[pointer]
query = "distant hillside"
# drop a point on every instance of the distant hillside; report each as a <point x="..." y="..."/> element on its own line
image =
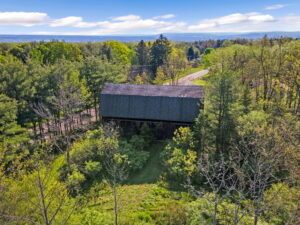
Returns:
<point x="222" y="36"/>
<point x="135" y="38"/>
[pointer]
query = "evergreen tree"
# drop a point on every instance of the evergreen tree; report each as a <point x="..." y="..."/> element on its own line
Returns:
<point x="217" y="121"/>
<point x="160" y="50"/>
<point x="190" y="54"/>
<point x="11" y="134"/>
<point x="142" y="52"/>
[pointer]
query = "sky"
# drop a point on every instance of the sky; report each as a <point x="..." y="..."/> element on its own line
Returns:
<point x="143" y="17"/>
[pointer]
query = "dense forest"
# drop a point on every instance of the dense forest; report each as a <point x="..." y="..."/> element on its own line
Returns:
<point x="237" y="164"/>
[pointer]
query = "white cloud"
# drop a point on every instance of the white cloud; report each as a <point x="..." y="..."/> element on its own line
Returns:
<point x="290" y="22"/>
<point x="117" y="25"/>
<point x="127" y="18"/>
<point x="167" y="16"/>
<point x="274" y="7"/>
<point x="261" y="18"/>
<point x="230" y="22"/>
<point x="74" y="21"/>
<point x="174" y="27"/>
<point x="130" y="26"/>
<point x="22" y="18"/>
<point x="66" y="21"/>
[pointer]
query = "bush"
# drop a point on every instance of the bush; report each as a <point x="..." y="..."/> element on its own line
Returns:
<point x="75" y="179"/>
<point x="283" y="203"/>
<point x="179" y="158"/>
<point x="136" y="158"/>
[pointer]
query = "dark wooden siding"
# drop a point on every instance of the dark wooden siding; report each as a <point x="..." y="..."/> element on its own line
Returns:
<point x="158" y="108"/>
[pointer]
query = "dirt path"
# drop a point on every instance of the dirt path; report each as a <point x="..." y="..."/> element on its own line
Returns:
<point x="187" y="80"/>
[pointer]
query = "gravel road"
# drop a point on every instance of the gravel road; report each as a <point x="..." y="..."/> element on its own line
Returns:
<point x="187" y="80"/>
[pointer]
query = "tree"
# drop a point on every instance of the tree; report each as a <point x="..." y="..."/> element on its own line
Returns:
<point x="257" y="160"/>
<point x="142" y="52"/>
<point x="190" y="53"/>
<point x="97" y="72"/>
<point x="38" y="197"/>
<point x="221" y="108"/>
<point x="119" y="53"/>
<point x="180" y="158"/>
<point x="15" y="83"/>
<point x="63" y="116"/>
<point x="176" y="63"/>
<point x="160" y="76"/>
<point x="217" y="178"/>
<point x="116" y="164"/>
<point x="52" y="52"/>
<point x="159" y="52"/>
<point x="12" y="135"/>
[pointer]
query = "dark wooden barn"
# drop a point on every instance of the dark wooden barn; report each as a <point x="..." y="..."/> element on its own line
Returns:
<point x="161" y="103"/>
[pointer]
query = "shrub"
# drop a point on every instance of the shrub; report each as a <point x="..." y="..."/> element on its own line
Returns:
<point x="136" y="158"/>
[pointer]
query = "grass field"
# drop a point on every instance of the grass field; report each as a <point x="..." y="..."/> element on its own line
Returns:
<point x="147" y="204"/>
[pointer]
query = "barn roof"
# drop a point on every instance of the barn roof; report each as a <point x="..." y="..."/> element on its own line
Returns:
<point x="154" y="90"/>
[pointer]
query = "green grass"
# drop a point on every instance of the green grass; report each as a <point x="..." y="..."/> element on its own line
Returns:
<point x="142" y="204"/>
<point x="201" y="81"/>
<point x="151" y="172"/>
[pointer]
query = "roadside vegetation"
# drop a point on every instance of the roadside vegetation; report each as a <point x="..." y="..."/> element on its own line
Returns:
<point x="237" y="164"/>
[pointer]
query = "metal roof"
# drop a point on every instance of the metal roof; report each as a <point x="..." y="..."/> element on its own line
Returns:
<point x="154" y="90"/>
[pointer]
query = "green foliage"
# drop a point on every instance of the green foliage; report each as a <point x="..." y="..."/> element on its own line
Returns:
<point x="147" y="135"/>
<point x="75" y="180"/>
<point x="283" y="203"/>
<point x="136" y="156"/>
<point x="159" y="52"/>
<point x="142" y="53"/>
<point x="120" y="53"/>
<point x="12" y="136"/>
<point x="180" y="157"/>
<point x="92" y="217"/>
<point x="208" y="51"/>
<point x="38" y="196"/>
<point x="96" y="72"/>
<point x="89" y="154"/>
<point x="86" y="156"/>
<point x="220" y="110"/>
<point x="200" y="212"/>
<point x="51" y="52"/>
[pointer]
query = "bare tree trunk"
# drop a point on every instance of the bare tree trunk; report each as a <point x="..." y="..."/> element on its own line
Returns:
<point x="215" y="214"/>
<point x="41" y="128"/>
<point x="48" y="126"/>
<point x="115" y="204"/>
<point x="34" y="128"/>
<point x="255" y="218"/>
<point x="44" y="209"/>
<point x="96" y="110"/>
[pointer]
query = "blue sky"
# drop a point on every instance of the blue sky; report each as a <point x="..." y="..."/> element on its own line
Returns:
<point x="98" y="17"/>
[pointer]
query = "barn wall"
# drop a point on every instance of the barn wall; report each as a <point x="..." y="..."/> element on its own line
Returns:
<point x="149" y="107"/>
